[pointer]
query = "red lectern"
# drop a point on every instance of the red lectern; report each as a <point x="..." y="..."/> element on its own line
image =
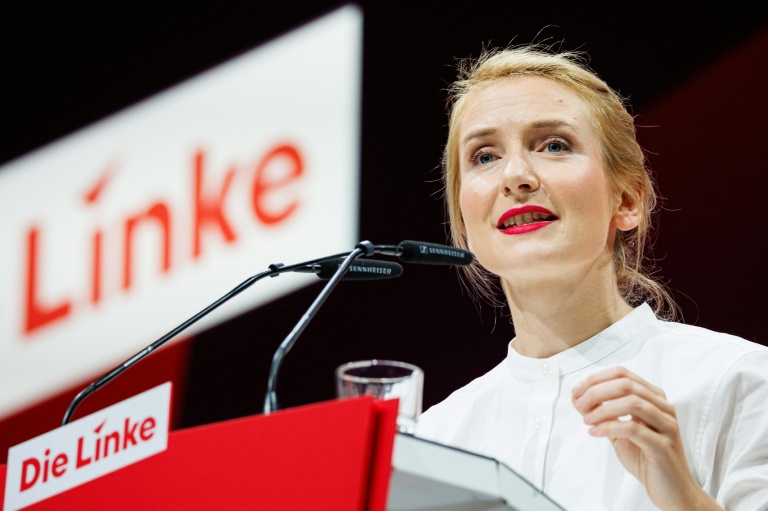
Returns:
<point x="334" y="455"/>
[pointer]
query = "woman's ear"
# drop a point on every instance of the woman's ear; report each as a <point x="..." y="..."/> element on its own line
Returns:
<point x="628" y="213"/>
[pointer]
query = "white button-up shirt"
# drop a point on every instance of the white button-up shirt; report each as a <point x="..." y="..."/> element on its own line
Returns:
<point x="521" y="414"/>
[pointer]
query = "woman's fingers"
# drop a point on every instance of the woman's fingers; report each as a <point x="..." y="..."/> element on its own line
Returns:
<point x="616" y="383"/>
<point x="621" y="398"/>
<point x="614" y="373"/>
<point x="636" y="432"/>
<point x="632" y="408"/>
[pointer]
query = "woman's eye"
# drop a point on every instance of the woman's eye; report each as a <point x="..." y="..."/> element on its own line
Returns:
<point x="483" y="158"/>
<point x="556" y="146"/>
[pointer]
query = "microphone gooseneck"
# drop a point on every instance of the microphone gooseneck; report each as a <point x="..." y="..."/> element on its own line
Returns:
<point x="408" y="251"/>
<point x="270" y="400"/>
<point x="313" y="266"/>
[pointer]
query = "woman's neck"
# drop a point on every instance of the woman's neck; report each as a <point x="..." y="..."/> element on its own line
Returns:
<point x="554" y="315"/>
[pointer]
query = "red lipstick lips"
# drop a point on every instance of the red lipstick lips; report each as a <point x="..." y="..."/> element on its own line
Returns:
<point x="526" y="228"/>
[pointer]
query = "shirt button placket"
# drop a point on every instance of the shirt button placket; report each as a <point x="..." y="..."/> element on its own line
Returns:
<point x="542" y="422"/>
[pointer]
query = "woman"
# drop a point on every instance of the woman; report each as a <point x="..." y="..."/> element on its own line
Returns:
<point x="602" y="401"/>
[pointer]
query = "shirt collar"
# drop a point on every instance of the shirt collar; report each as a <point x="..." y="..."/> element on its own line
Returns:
<point x="584" y="353"/>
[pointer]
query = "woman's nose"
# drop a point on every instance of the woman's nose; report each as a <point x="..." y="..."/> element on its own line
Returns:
<point x="518" y="177"/>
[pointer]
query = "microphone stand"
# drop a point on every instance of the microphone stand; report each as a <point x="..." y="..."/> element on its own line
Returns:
<point x="273" y="271"/>
<point x="270" y="401"/>
<point x="409" y="251"/>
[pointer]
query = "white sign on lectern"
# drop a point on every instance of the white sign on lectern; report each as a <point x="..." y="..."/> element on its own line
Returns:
<point x="88" y="448"/>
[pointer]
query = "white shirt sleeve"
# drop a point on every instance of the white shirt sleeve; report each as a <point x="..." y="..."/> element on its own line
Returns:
<point x="733" y="437"/>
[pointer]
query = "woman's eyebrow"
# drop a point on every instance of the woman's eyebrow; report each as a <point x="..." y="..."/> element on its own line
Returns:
<point x="477" y="133"/>
<point x="553" y="123"/>
<point x="538" y="125"/>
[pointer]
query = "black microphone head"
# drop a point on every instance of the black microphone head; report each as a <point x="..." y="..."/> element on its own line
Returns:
<point x="361" y="269"/>
<point x="432" y="253"/>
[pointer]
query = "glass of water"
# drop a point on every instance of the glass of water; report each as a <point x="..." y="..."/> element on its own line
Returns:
<point x="384" y="379"/>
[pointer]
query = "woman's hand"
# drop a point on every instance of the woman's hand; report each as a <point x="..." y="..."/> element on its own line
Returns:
<point x="642" y="426"/>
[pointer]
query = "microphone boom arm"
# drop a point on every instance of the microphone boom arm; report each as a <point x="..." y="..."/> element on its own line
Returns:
<point x="273" y="271"/>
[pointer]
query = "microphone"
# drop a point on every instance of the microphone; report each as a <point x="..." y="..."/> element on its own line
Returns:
<point x="324" y="267"/>
<point x="362" y="269"/>
<point x="422" y="252"/>
<point x="431" y="253"/>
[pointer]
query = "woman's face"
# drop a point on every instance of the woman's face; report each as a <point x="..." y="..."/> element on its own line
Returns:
<point x="534" y="195"/>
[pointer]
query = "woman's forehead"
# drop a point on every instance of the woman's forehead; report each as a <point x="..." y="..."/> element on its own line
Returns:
<point x="522" y="99"/>
<point x="523" y="103"/>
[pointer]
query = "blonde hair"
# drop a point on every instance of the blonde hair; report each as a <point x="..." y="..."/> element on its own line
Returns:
<point x="623" y="160"/>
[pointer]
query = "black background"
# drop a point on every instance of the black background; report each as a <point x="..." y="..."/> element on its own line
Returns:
<point x="64" y="68"/>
